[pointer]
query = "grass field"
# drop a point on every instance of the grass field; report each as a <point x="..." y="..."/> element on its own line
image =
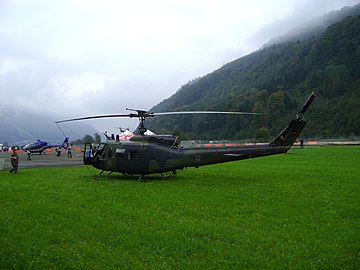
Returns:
<point x="281" y="212"/>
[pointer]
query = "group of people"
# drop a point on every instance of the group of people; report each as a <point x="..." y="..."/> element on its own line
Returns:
<point x="69" y="153"/>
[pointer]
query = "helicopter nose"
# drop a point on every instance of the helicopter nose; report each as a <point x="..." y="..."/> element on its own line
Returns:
<point x="99" y="163"/>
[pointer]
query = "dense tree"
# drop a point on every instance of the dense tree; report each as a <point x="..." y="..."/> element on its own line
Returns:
<point x="88" y="139"/>
<point x="97" y="138"/>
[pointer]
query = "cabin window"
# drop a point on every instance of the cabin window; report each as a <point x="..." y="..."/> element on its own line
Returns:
<point x="120" y="152"/>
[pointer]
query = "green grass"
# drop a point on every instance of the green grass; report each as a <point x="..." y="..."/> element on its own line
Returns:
<point x="295" y="211"/>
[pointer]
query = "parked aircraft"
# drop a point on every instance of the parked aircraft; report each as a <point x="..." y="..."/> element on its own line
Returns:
<point x="142" y="154"/>
<point x="39" y="146"/>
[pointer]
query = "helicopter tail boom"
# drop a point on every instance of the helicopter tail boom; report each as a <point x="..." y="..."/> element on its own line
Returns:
<point x="288" y="136"/>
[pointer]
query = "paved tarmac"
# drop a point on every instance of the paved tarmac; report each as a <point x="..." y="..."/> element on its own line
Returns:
<point x="45" y="160"/>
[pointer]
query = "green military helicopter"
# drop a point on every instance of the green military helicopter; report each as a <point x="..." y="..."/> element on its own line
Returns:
<point x="143" y="154"/>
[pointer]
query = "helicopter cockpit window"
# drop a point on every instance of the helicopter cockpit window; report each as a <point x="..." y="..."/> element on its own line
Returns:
<point x="100" y="148"/>
<point x="120" y="152"/>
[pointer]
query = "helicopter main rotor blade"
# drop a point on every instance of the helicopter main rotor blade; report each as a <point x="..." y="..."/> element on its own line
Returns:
<point x="206" y="112"/>
<point x="97" y="117"/>
<point x="144" y="114"/>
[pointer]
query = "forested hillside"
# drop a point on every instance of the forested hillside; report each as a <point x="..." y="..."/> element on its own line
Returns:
<point x="276" y="80"/>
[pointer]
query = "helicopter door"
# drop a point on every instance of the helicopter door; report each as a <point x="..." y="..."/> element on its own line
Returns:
<point x="133" y="157"/>
<point x="88" y="157"/>
<point x="109" y="156"/>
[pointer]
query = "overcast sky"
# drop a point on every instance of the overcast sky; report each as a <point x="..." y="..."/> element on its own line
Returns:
<point x="71" y="58"/>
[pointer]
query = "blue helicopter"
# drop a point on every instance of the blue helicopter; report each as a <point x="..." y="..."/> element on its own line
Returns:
<point x="39" y="146"/>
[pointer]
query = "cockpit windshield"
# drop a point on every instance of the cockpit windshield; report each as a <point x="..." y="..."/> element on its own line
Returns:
<point x="100" y="149"/>
<point x="101" y="146"/>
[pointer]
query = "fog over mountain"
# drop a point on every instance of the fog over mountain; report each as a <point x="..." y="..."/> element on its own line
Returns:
<point x="315" y="26"/>
<point x="16" y="129"/>
<point x="70" y="58"/>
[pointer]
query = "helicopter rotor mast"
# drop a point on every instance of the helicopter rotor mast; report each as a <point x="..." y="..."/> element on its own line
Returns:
<point x="141" y="114"/>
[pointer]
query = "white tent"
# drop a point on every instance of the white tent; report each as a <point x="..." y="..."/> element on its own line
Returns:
<point x="126" y="135"/>
<point x="149" y="132"/>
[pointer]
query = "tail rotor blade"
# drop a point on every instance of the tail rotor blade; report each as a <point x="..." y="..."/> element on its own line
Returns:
<point x="307" y="104"/>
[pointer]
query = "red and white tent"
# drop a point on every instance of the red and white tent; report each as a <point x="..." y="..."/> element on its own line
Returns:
<point x="126" y="135"/>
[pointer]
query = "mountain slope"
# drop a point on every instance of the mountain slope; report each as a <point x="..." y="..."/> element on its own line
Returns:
<point x="276" y="80"/>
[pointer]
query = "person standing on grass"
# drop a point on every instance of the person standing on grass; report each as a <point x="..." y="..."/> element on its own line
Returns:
<point x="14" y="158"/>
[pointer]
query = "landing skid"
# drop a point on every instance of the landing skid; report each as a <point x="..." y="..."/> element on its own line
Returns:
<point x="142" y="177"/>
<point x="165" y="175"/>
<point x="107" y="175"/>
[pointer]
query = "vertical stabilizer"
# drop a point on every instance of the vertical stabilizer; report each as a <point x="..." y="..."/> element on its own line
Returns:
<point x="288" y="136"/>
<point x="65" y="143"/>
